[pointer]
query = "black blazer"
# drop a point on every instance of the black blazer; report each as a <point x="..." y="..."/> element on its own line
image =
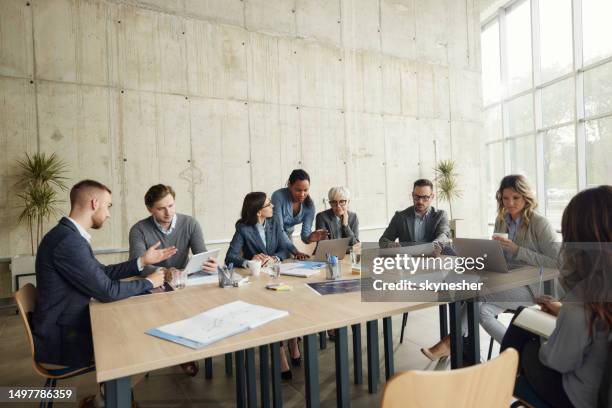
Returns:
<point x="247" y="243"/>
<point x="67" y="277"/>
<point x="401" y="227"/>
<point x="327" y="220"/>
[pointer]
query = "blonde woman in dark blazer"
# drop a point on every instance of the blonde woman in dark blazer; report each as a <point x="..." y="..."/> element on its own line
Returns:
<point x="531" y="240"/>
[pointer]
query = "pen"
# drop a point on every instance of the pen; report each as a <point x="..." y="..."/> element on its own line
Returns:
<point x="540" y="284"/>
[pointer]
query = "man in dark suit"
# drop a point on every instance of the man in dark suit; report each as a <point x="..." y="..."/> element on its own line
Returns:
<point x="419" y="223"/>
<point x="68" y="276"/>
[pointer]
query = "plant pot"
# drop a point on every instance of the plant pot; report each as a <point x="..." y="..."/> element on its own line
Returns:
<point x="22" y="271"/>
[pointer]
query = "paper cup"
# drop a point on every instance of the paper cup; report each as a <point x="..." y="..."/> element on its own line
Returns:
<point x="501" y="234"/>
<point x="254" y="267"/>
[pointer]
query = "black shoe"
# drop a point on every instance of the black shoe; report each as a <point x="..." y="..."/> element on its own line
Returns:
<point x="286" y="375"/>
<point x="296" y="362"/>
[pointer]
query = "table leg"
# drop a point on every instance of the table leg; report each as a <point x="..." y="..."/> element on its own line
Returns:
<point x="208" y="368"/>
<point x="228" y="364"/>
<point x="373" y="368"/>
<point x="118" y="393"/>
<point x="323" y="340"/>
<point x="311" y="370"/>
<point x="442" y="309"/>
<point x="251" y="383"/>
<point x="277" y="397"/>
<point x="388" y="342"/>
<point x="342" y="382"/>
<point x="264" y="375"/>
<point x="473" y="313"/>
<point x="240" y="379"/>
<point x="456" y="336"/>
<point x="357" y="360"/>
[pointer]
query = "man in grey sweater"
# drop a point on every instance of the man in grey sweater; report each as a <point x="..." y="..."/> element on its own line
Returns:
<point x="172" y="230"/>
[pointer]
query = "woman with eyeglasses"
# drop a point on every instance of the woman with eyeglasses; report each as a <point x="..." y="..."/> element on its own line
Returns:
<point x="293" y="206"/>
<point x="258" y="235"/>
<point x="338" y="220"/>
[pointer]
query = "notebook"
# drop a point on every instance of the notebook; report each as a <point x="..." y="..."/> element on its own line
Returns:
<point x="536" y="321"/>
<point x="302" y="269"/>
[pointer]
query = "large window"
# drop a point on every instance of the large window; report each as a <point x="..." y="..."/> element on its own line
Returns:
<point x="547" y="94"/>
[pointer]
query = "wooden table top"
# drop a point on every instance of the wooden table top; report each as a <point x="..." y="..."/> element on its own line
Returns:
<point x="122" y="348"/>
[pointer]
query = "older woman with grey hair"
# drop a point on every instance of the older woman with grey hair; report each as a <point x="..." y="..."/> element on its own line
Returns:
<point x="338" y="220"/>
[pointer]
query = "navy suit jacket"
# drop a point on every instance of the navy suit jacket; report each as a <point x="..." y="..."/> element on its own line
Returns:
<point x="247" y="243"/>
<point x="67" y="277"/>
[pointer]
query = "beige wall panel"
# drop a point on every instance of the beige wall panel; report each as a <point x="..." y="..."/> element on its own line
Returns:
<point x="136" y="38"/>
<point x="323" y="150"/>
<point x="318" y="19"/>
<point x="275" y="149"/>
<point x="402" y="158"/>
<point x="469" y="207"/>
<point x="360" y="24"/>
<point x="17" y="137"/>
<point x="391" y="92"/>
<point x="276" y="17"/>
<point x="288" y="72"/>
<point x="167" y="5"/>
<point x="15" y="38"/>
<point x="173" y="54"/>
<point x="226" y="11"/>
<point x="320" y="75"/>
<point x="372" y="83"/>
<point x="366" y="169"/>
<point x="458" y="33"/>
<point x="74" y="123"/>
<point x="217" y="60"/>
<point x="220" y="143"/>
<point x="398" y="28"/>
<point x="263" y="68"/>
<point x="466" y="95"/>
<point x="432" y="22"/>
<point x="433" y="88"/>
<point x="409" y="86"/>
<point x="353" y="81"/>
<point x="76" y="49"/>
<point x="430" y="130"/>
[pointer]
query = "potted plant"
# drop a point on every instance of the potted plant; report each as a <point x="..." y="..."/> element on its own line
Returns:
<point x="41" y="177"/>
<point x="448" y="187"/>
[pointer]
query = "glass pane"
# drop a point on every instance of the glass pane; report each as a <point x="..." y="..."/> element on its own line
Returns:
<point x="597" y="29"/>
<point x="518" y="46"/>
<point x="598" y="90"/>
<point x="493" y="123"/>
<point x="559" y="171"/>
<point x="495" y="174"/>
<point x="491" y="71"/>
<point x="520" y="111"/>
<point x="555" y="38"/>
<point x="599" y="146"/>
<point x="558" y="103"/>
<point x="523" y="157"/>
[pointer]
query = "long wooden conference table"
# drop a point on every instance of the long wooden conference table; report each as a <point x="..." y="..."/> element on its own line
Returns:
<point x="122" y="349"/>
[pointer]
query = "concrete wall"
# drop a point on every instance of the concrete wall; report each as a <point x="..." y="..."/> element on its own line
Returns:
<point x="222" y="97"/>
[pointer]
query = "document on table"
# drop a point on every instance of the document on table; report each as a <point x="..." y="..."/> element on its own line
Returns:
<point x="536" y="321"/>
<point x="217" y="323"/>
<point x="202" y="278"/>
<point x="303" y="269"/>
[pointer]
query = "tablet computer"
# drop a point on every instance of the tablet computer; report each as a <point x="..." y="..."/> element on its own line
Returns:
<point x="196" y="261"/>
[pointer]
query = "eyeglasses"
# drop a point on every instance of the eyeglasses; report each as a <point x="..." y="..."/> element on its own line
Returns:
<point x="337" y="202"/>
<point x="267" y="205"/>
<point x="421" y="198"/>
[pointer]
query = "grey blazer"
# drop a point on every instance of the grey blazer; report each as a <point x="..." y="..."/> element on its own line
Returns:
<point x="538" y="243"/>
<point x="402" y="227"/>
<point x="328" y="220"/>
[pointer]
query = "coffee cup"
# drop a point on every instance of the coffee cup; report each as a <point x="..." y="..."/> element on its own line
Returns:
<point x="254" y="266"/>
<point x="501" y="234"/>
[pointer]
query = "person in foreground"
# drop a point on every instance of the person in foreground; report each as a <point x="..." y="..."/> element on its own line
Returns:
<point x="531" y="241"/>
<point x="171" y="229"/>
<point x="572" y="368"/>
<point x="68" y="276"/>
<point x="259" y="236"/>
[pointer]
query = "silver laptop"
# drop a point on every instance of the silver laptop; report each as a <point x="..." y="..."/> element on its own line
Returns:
<point x="413" y="249"/>
<point x="494" y="260"/>
<point x="335" y="247"/>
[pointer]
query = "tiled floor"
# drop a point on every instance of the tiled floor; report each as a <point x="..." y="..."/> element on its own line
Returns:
<point x="170" y="388"/>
